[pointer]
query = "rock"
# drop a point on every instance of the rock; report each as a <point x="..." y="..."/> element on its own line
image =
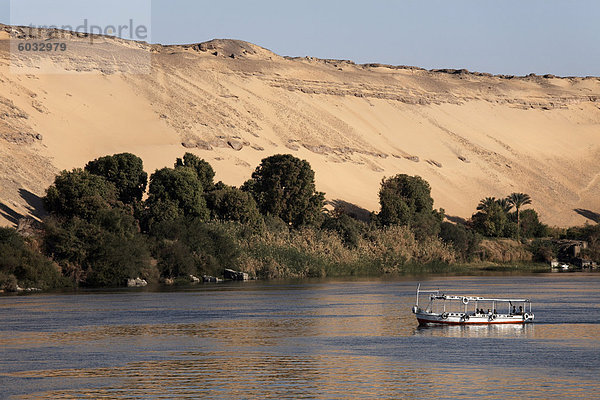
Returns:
<point x="169" y="281"/>
<point x="219" y="142"/>
<point x="317" y="149"/>
<point x="235" y="275"/>
<point x="412" y="158"/>
<point x="234" y="144"/>
<point x="211" y="279"/>
<point x="137" y="282"/>
<point x="464" y="159"/>
<point x="434" y="163"/>
<point x="31" y="289"/>
<point x="194" y="279"/>
<point x="258" y="148"/>
<point x="39" y="136"/>
<point x="196" y="143"/>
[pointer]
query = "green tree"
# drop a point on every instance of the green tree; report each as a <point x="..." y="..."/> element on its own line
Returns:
<point x="284" y="186"/>
<point x="80" y="193"/>
<point x="505" y="205"/>
<point x="531" y="225"/>
<point x="406" y="200"/>
<point x="174" y="191"/>
<point x="518" y="200"/>
<point x="491" y="222"/>
<point x="485" y="204"/>
<point x="125" y="171"/>
<point x="203" y="169"/>
<point x="232" y="204"/>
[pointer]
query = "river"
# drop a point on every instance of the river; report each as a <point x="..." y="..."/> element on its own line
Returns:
<point x="330" y="339"/>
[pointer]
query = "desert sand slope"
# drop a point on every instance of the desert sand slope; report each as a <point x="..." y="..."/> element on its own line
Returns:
<point x="233" y="103"/>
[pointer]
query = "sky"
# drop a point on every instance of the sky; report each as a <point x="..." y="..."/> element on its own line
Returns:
<point x="514" y="37"/>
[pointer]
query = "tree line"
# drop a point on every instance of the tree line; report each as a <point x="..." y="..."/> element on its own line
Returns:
<point x="101" y="231"/>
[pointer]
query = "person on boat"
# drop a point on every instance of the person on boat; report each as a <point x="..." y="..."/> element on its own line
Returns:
<point x="520" y="310"/>
<point x="489" y="312"/>
<point x="514" y="311"/>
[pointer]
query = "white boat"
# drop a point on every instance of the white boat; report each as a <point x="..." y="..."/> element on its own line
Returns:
<point x="465" y="310"/>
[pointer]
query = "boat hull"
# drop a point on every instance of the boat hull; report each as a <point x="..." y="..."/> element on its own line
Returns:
<point x="460" y="319"/>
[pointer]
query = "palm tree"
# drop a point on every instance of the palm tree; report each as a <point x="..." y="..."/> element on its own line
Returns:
<point x="518" y="200"/>
<point x="485" y="204"/>
<point x="505" y="204"/>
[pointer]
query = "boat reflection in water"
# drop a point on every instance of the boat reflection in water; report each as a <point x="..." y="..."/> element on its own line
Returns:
<point x="476" y="331"/>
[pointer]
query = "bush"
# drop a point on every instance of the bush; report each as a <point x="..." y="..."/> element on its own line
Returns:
<point x="185" y="247"/>
<point x="104" y="252"/>
<point x="543" y="251"/>
<point x="116" y="260"/>
<point x="349" y="229"/>
<point x="463" y="240"/>
<point x="22" y="265"/>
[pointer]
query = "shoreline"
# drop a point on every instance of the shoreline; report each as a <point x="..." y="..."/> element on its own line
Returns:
<point x="487" y="270"/>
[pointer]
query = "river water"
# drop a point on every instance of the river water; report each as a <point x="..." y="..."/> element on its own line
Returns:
<point x="316" y="339"/>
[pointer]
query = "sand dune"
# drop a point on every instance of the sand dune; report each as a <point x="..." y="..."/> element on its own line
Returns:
<point x="233" y="103"/>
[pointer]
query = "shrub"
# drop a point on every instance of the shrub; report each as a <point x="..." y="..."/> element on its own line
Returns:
<point x="349" y="229"/>
<point x="22" y="265"/>
<point x="463" y="240"/>
<point x="185" y="247"/>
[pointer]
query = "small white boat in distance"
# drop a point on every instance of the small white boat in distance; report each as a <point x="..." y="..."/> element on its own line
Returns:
<point x="471" y="310"/>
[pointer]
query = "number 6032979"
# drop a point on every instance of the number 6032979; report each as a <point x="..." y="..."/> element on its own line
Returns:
<point x="35" y="46"/>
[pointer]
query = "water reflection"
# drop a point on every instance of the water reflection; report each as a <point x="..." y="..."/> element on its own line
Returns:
<point x="478" y="331"/>
<point x="255" y="375"/>
<point x="330" y="340"/>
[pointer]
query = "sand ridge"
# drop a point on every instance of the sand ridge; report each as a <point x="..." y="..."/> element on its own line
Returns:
<point x="471" y="135"/>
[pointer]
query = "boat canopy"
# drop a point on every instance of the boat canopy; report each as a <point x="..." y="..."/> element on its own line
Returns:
<point x="437" y="295"/>
<point x="472" y="298"/>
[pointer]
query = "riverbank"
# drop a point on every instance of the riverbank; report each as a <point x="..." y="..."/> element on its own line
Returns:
<point x="410" y="272"/>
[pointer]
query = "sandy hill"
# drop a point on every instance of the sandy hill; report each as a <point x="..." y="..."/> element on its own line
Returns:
<point x="233" y="103"/>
